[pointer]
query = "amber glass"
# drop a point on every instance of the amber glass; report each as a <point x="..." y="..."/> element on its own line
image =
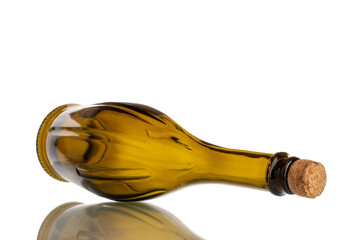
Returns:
<point x="126" y="151"/>
<point x="130" y="221"/>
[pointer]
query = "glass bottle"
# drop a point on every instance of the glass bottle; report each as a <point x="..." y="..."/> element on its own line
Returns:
<point x="127" y="151"/>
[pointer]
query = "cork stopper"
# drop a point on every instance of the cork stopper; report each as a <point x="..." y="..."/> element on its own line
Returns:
<point x="307" y="178"/>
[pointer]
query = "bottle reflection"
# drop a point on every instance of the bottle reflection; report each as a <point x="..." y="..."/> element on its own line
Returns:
<point x="113" y="220"/>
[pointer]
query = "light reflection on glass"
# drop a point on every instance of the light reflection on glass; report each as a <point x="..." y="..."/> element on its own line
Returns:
<point x="112" y="220"/>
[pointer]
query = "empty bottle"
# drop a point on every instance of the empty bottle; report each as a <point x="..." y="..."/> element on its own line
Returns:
<point x="126" y="151"/>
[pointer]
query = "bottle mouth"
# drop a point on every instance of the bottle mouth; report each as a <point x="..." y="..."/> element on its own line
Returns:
<point x="41" y="142"/>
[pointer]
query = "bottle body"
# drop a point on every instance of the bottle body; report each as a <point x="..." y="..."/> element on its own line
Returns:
<point x="126" y="151"/>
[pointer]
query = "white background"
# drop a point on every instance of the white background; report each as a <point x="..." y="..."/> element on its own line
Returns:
<point x="265" y="76"/>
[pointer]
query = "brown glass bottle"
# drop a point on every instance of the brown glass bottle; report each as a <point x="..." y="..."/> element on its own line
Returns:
<point x="109" y="221"/>
<point x="126" y="151"/>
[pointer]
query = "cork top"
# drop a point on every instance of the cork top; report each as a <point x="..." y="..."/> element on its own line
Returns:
<point x="307" y="178"/>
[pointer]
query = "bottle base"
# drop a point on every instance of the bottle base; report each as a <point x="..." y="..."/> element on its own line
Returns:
<point x="41" y="142"/>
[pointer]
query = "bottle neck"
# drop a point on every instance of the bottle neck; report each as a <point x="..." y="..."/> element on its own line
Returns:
<point x="246" y="168"/>
<point x="278" y="173"/>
